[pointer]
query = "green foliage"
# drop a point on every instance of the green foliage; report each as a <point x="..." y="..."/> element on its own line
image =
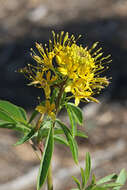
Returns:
<point x="26" y="137"/>
<point x="73" y="122"/>
<point x="76" y="111"/>
<point x="87" y="167"/>
<point x="50" y="131"/>
<point x="46" y="159"/>
<point x="13" y="117"/>
<point x="71" y="141"/>
<point x="61" y="140"/>
<point x="33" y="115"/>
<point x="12" y="111"/>
<point x="112" y="181"/>
<point x="122" y="177"/>
<point x="75" y="116"/>
<point x="107" y="179"/>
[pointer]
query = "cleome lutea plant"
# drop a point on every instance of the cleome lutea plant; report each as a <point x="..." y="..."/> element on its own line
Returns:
<point x="64" y="71"/>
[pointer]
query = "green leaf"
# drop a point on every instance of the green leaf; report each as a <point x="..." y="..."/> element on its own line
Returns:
<point x="77" y="112"/>
<point x="77" y="182"/>
<point x="93" y="182"/>
<point x="42" y="133"/>
<point x="15" y="112"/>
<point x="81" y="134"/>
<point x="71" y="141"/>
<point x="58" y="131"/>
<point x="97" y="188"/>
<point x="46" y="159"/>
<point x="26" y="137"/>
<point x="14" y="126"/>
<point x="61" y="140"/>
<point x="54" y="95"/>
<point x="110" y="185"/>
<point x="62" y="100"/>
<point x="33" y="115"/>
<point x="122" y="177"/>
<point x="23" y="113"/>
<point x="106" y="179"/>
<point x="72" y="121"/>
<point x="83" y="177"/>
<point x="5" y="117"/>
<point x="87" y="167"/>
<point x="74" y="189"/>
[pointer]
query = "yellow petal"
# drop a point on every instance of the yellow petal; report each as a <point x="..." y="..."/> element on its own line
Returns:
<point x="47" y="91"/>
<point x="41" y="109"/>
<point x="77" y="100"/>
<point x="63" y="70"/>
<point x="68" y="88"/>
<point x="52" y="107"/>
<point x="52" y="115"/>
<point x="58" y="59"/>
<point x="48" y="76"/>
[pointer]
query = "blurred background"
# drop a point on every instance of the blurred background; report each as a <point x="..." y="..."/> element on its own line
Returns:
<point x="22" y="23"/>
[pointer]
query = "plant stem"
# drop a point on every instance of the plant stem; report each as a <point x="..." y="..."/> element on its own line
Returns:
<point x="49" y="179"/>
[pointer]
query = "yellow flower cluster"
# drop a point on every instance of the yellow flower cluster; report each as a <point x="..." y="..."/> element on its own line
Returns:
<point x="63" y="62"/>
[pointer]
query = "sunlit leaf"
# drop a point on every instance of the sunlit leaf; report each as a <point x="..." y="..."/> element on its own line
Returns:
<point x="6" y="117"/>
<point x="81" y="134"/>
<point x="107" y="179"/>
<point x="46" y="158"/>
<point x="83" y="177"/>
<point x="122" y="177"/>
<point x="77" y="112"/>
<point x="15" y="126"/>
<point x="71" y="141"/>
<point x="72" y="121"/>
<point x="33" y="115"/>
<point x="15" y="112"/>
<point x="77" y="182"/>
<point x="87" y="167"/>
<point x="26" y="137"/>
<point x="61" y="140"/>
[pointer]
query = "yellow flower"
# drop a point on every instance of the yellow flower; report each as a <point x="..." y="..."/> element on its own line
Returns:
<point x="82" y="67"/>
<point x="47" y="109"/>
<point x="63" y="62"/>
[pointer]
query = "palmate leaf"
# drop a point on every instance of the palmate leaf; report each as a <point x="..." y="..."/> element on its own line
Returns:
<point x="71" y="141"/>
<point x="14" y="112"/>
<point x="46" y="158"/>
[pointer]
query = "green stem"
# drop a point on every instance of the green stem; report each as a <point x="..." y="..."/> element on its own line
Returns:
<point x="49" y="179"/>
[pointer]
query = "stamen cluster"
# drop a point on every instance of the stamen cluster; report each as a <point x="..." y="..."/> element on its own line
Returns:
<point x="63" y="63"/>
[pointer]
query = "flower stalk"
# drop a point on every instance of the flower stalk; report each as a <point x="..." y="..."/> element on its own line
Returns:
<point x="49" y="178"/>
<point x="63" y="70"/>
